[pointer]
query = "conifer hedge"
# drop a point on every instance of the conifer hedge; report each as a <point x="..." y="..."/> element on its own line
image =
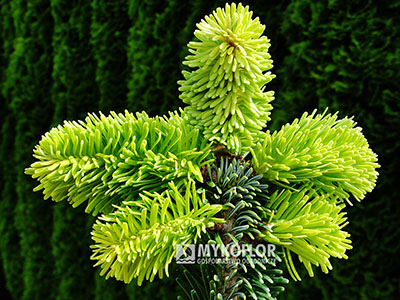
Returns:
<point x="71" y="95"/>
<point x="60" y="59"/>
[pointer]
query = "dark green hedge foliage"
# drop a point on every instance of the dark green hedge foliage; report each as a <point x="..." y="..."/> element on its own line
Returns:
<point x="60" y="59"/>
<point x="26" y="89"/>
<point x="10" y="250"/>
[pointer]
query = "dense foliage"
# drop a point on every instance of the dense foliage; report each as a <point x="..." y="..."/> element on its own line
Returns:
<point x="61" y="59"/>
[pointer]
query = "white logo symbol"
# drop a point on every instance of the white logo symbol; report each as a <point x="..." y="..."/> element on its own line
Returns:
<point x="185" y="254"/>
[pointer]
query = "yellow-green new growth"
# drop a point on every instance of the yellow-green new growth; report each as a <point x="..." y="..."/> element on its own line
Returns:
<point x="139" y="239"/>
<point x="332" y="153"/>
<point x="225" y="91"/>
<point x="107" y="159"/>
<point x="309" y="225"/>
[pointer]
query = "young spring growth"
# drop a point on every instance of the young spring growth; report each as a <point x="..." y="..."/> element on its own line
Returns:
<point x="309" y="225"/>
<point x="225" y="90"/>
<point x="107" y="159"/>
<point x="332" y="153"/>
<point x="138" y="239"/>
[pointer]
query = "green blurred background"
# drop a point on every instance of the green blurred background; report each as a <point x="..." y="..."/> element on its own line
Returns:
<point x="61" y="59"/>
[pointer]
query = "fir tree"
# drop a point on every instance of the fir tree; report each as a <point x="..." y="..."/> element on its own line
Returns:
<point x="210" y="173"/>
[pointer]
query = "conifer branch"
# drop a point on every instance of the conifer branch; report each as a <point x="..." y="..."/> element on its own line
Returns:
<point x="331" y="153"/>
<point x="104" y="160"/>
<point x="139" y="238"/>
<point x="225" y="90"/>
<point x="309" y="225"/>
